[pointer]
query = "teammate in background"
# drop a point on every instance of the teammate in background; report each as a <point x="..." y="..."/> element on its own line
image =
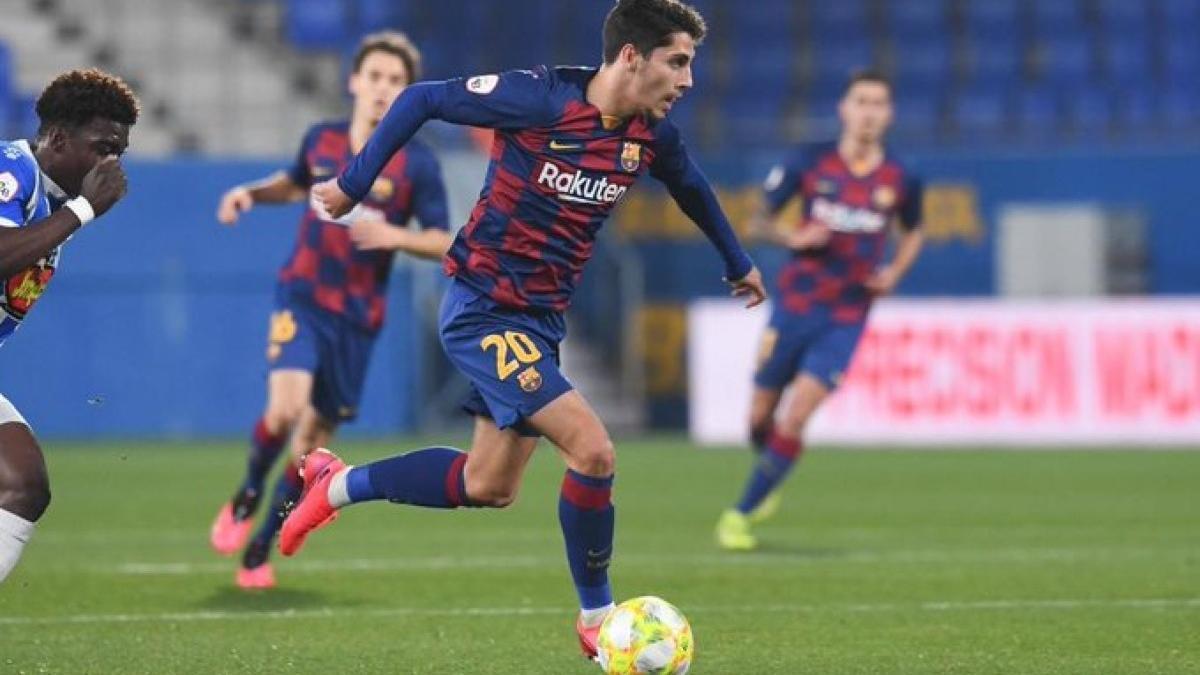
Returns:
<point x="70" y="176"/>
<point x="852" y="190"/>
<point x="330" y="295"/>
<point x="569" y="143"/>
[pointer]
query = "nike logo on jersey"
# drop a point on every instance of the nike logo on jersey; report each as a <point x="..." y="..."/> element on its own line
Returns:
<point x="564" y="146"/>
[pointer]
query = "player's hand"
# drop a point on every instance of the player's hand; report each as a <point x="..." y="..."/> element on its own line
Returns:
<point x="370" y="235"/>
<point x="883" y="282"/>
<point x="104" y="185"/>
<point x="233" y="204"/>
<point x="812" y="235"/>
<point x="750" y="287"/>
<point x="331" y="198"/>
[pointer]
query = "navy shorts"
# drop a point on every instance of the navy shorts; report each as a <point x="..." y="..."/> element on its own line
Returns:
<point x="509" y="356"/>
<point x="805" y="343"/>
<point x="335" y="350"/>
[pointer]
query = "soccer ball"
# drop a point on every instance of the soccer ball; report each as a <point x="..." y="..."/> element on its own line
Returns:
<point x="645" y="636"/>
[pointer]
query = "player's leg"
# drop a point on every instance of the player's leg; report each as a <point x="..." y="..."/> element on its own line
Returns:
<point x="585" y="509"/>
<point x="24" y="486"/>
<point x="764" y="403"/>
<point x="312" y="431"/>
<point x="292" y="354"/>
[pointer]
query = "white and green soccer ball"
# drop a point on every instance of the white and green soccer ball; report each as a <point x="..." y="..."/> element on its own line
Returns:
<point x="645" y="636"/>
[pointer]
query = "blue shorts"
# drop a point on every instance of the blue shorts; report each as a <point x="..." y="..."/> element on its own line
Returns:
<point x="805" y="343"/>
<point x="510" y="356"/>
<point x="334" y="350"/>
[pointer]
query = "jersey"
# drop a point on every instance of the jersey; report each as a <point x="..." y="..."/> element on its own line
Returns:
<point x="325" y="268"/>
<point x="557" y="170"/>
<point x="25" y="198"/>
<point x="858" y="209"/>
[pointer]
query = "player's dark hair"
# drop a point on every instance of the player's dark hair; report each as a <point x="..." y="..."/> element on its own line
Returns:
<point x="649" y="24"/>
<point x="77" y="97"/>
<point x="869" y="75"/>
<point x="394" y="43"/>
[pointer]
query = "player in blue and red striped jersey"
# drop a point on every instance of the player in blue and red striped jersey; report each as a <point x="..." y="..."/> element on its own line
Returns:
<point x="569" y="143"/>
<point x="852" y="191"/>
<point x="330" y="296"/>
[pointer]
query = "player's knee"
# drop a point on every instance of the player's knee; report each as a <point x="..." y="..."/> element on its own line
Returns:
<point x="491" y="494"/>
<point x="760" y="430"/>
<point x="597" y="458"/>
<point x="282" y="415"/>
<point x="28" y="497"/>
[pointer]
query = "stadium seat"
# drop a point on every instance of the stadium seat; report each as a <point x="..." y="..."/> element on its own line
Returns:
<point x="1066" y="59"/>
<point x="913" y="20"/>
<point x="1056" y="17"/>
<point x="924" y="63"/>
<point x="918" y="113"/>
<point x="992" y="19"/>
<point x="1181" y="108"/>
<point x="373" y="15"/>
<point x="317" y="25"/>
<point x="1136" y="108"/>
<point x="837" y="20"/>
<point x="754" y="121"/>
<point x="1180" y="15"/>
<point x="1181" y="58"/>
<point x="1092" y="111"/>
<point x="1037" y="111"/>
<point x="992" y="59"/>
<point x="1121" y="17"/>
<point x="981" y="110"/>
<point x="1128" y="57"/>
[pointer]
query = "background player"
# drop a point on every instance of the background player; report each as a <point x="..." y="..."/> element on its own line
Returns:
<point x="569" y="143"/>
<point x="852" y="191"/>
<point x="330" y="296"/>
<point x="71" y="175"/>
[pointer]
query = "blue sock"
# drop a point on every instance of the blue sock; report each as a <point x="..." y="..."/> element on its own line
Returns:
<point x="587" y="517"/>
<point x="430" y="477"/>
<point x="264" y="450"/>
<point x="769" y="471"/>
<point x="287" y="489"/>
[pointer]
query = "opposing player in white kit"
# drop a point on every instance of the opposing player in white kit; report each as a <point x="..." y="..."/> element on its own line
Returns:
<point x="70" y="176"/>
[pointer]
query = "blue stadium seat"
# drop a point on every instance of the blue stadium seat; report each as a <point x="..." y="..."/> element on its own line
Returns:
<point x="1038" y="113"/>
<point x="1181" y="108"/>
<point x="837" y="19"/>
<point x="753" y="121"/>
<point x="373" y="15"/>
<point x="995" y="59"/>
<point x="773" y="20"/>
<point x="765" y="68"/>
<point x="913" y="20"/>
<point x="1057" y="17"/>
<point x="1066" y="59"/>
<point x="1122" y="17"/>
<point x="1128" y="58"/>
<point x="1092" y="111"/>
<point x="918" y="113"/>
<point x="1136" y="108"/>
<point x="923" y="63"/>
<point x="993" y="19"/>
<point x="1181" y="15"/>
<point x="317" y="25"/>
<point x="981" y="110"/>
<point x="836" y="60"/>
<point x="1181" y="58"/>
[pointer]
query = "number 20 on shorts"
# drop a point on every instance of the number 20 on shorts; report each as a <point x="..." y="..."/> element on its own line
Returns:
<point x="523" y="349"/>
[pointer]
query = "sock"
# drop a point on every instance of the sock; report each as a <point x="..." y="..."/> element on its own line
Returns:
<point x="287" y="489"/>
<point x="587" y="517"/>
<point x="772" y="467"/>
<point x="264" y="450"/>
<point x="15" y="531"/>
<point x="595" y="617"/>
<point x="430" y="477"/>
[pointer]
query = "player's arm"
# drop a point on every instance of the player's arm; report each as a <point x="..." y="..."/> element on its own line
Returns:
<point x="780" y="187"/>
<point x="430" y="207"/>
<point x="692" y="192"/>
<point x="513" y="100"/>
<point x="21" y="247"/>
<point x="912" y="239"/>
<point x="282" y="187"/>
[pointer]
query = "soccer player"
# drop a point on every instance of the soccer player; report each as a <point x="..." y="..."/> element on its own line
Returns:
<point x="330" y="295"/>
<point x="852" y="191"/>
<point x="70" y="176"/>
<point x="569" y="143"/>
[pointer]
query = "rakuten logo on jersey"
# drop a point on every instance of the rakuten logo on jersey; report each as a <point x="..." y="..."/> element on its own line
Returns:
<point x="842" y="218"/>
<point x="576" y="186"/>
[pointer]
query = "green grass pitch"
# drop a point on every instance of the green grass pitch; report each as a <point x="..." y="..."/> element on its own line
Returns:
<point x="879" y="562"/>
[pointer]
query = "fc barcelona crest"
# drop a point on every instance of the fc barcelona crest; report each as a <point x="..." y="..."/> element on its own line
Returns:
<point x="631" y="156"/>
<point x="383" y="189"/>
<point x="530" y="380"/>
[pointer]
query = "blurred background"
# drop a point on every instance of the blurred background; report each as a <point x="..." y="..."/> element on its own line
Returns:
<point x="1059" y="140"/>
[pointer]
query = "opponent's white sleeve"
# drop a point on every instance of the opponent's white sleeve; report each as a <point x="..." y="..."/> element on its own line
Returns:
<point x="15" y="531"/>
